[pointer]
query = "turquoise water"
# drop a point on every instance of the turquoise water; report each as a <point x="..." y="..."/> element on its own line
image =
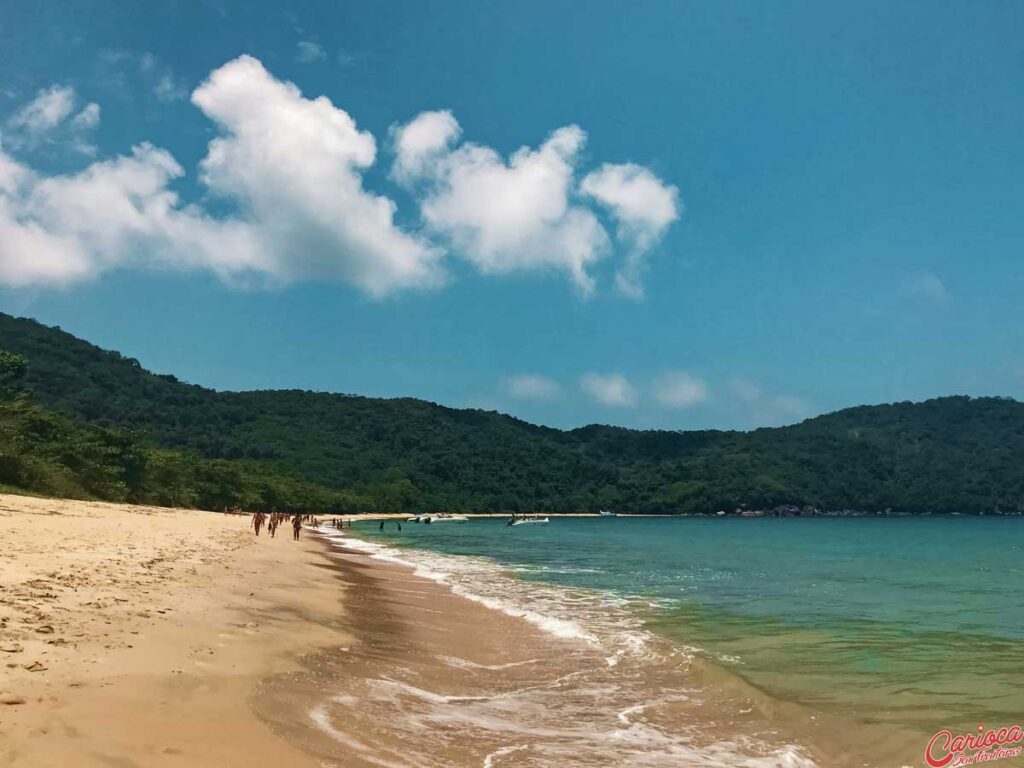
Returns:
<point x="911" y="621"/>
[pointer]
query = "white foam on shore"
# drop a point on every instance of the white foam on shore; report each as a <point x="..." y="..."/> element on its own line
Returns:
<point x="567" y="720"/>
<point x="623" y="716"/>
<point x="489" y="760"/>
<point x="322" y="719"/>
<point x="433" y="698"/>
<point x="561" y="612"/>
<point x="466" y="664"/>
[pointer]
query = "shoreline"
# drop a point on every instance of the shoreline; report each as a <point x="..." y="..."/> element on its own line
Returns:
<point x="403" y="516"/>
<point x="177" y="637"/>
<point x="428" y="654"/>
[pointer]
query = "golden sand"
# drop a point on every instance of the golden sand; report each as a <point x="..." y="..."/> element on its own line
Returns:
<point x="136" y="636"/>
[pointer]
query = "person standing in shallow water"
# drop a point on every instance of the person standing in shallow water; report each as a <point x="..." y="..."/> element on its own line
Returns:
<point x="296" y="526"/>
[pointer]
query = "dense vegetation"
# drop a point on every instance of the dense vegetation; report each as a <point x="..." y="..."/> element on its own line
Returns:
<point x="52" y="453"/>
<point x="118" y="431"/>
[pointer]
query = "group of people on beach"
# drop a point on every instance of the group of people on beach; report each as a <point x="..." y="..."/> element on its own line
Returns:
<point x="275" y="519"/>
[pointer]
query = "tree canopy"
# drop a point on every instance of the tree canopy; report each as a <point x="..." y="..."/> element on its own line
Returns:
<point x="175" y="442"/>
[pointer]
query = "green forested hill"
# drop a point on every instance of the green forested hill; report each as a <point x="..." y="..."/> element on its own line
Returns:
<point x="297" y="448"/>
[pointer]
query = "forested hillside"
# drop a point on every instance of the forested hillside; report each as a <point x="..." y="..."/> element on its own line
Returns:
<point x="340" y="452"/>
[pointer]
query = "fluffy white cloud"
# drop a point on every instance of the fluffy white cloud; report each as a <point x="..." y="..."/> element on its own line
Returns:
<point x="46" y="111"/>
<point x="61" y="229"/>
<point x="294" y="166"/>
<point x="48" y="117"/>
<point x="290" y="169"/>
<point x="306" y="52"/>
<point x="527" y="213"/>
<point x="89" y="117"/>
<point x="419" y="143"/>
<point x="611" y="389"/>
<point x="678" y="389"/>
<point x="529" y="386"/>
<point x="291" y="166"/>
<point x="643" y="207"/>
<point x="502" y="216"/>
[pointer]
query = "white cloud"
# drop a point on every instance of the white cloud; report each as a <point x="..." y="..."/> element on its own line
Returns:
<point x="50" y="117"/>
<point x="611" y="389"/>
<point x="307" y="52"/>
<point x="292" y="167"/>
<point x="51" y="107"/>
<point x="291" y="170"/>
<point x="928" y="285"/>
<point x="89" y="117"/>
<point x="526" y="212"/>
<point x="643" y="207"/>
<point x="502" y="216"/>
<point x="767" y="409"/>
<point x="61" y="229"/>
<point x="420" y="142"/>
<point x="12" y="173"/>
<point x="678" y="389"/>
<point x="529" y="386"/>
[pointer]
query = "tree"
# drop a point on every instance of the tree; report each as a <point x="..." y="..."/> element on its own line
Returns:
<point x="12" y="372"/>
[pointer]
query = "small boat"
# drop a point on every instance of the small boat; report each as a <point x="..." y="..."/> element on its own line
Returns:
<point x="606" y="513"/>
<point x="447" y="518"/>
<point x="529" y="521"/>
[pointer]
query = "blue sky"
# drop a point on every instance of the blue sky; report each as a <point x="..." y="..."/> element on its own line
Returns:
<point x="827" y="209"/>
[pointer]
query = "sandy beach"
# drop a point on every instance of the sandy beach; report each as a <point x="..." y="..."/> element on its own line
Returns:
<point x="141" y="636"/>
<point x="137" y="636"/>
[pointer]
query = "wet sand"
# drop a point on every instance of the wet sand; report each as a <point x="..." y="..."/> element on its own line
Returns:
<point x="137" y="636"/>
<point x="431" y="679"/>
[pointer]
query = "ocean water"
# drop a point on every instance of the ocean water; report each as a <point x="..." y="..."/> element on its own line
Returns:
<point x="909" y="622"/>
<point x="455" y="660"/>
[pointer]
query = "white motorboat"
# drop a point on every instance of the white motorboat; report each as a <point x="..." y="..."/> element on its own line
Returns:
<point x="606" y="513"/>
<point x="447" y="518"/>
<point x="529" y="521"/>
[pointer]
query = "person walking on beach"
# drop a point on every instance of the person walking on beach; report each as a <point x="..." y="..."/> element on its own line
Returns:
<point x="257" y="521"/>
<point x="296" y="526"/>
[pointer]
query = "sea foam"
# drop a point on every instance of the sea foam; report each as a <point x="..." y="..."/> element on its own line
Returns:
<point x="566" y="719"/>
